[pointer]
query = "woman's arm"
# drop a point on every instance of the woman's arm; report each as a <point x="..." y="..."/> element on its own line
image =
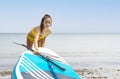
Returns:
<point x="43" y="42"/>
<point x="36" y="41"/>
<point x="48" y="32"/>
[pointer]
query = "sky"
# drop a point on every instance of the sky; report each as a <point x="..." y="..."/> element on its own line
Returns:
<point x="68" y="16"/>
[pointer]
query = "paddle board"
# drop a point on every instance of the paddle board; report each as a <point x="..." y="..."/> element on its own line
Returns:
<point x="31" y="66"/>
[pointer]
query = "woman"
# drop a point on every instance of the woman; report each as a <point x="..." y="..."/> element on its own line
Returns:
<point x="39" y="33"/>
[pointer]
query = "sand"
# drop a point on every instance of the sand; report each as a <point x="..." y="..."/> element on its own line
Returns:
<point x="85" y="73"/>
<point x="5" y="74"/>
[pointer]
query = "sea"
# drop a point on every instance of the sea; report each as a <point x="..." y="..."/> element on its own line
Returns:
<point x="79" y="50"/>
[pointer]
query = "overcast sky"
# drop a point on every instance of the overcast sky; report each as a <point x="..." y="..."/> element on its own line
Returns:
<point x="69" y="16"/>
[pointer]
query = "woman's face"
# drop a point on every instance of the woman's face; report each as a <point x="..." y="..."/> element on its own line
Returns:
<point x="47" y="22"/>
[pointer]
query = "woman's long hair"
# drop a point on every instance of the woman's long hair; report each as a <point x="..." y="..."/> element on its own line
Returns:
<point x="42" y="20"/>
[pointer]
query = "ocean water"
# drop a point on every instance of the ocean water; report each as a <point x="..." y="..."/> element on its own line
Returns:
<point x="80" y="50"/>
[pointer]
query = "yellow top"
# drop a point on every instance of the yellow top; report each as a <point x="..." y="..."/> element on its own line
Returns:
<point x="34" y="33"/>
<point x="40" y="37"/>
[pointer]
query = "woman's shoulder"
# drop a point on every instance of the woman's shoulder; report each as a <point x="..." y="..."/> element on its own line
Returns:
<point x="36" y="28"/>
<point x="49" y="30"/>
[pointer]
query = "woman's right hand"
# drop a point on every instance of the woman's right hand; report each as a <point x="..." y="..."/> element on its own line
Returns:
<point x="36" y="52"/>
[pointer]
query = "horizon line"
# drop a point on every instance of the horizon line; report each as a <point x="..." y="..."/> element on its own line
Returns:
<point x="58" y="33"/>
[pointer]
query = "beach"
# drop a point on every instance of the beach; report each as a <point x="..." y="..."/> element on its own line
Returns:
<point x="93" y="56"/>
<point x="84" y="73"/>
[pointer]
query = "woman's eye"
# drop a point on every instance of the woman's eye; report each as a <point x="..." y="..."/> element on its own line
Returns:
<point x="47" y="22"/>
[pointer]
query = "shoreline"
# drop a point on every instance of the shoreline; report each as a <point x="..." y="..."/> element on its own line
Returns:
<point x="84" y="73"/>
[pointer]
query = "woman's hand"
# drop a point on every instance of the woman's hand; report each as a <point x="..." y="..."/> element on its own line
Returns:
<point x="36" y="52"/>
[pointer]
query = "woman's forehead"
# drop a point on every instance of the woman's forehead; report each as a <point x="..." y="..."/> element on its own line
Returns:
<point x="48" y="20"/>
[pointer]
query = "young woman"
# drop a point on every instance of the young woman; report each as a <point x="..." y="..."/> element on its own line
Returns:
<point x="39" y="33"/>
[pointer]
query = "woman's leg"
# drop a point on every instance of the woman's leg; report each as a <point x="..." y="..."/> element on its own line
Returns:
<point x="29" y="43"/>
<point x="39" y="43"/>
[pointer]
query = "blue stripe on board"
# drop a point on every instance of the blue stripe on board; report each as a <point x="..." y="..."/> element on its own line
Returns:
<point x="33" y="68"/>
<point x="38" y="60"/>
<point x="13" y="76"/>
<point x="22" y="69"/>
